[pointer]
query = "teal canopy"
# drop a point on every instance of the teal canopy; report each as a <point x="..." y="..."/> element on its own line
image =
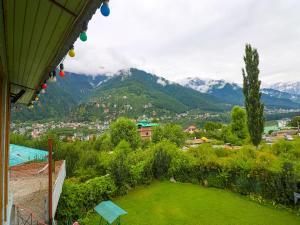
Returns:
<point x="146" y="123"/>
<point x="109" y="211"/>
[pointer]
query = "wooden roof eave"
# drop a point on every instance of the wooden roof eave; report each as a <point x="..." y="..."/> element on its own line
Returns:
<point x="70" y="38"/>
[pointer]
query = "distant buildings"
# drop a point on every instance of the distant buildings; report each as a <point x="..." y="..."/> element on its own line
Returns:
<point x="279" y="131"/>
<point x="66" y="131"/>
<point x="145" y="129"/>
<point x="196" y="142"/>
<point x="283" y="123"/>
<point x="191" y="129"/>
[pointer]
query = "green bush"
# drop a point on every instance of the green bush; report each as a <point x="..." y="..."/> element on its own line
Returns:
<point x="78" y="198"/>
<point x="119" y="167"/>
<point x="170" y="132"/>
<point x="282" y="147"/>
<point x="103" y="143"/>
<point x="163" y="154"/>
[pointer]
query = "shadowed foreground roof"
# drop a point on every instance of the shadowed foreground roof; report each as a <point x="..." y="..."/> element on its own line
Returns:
<point x="35" y="35"/>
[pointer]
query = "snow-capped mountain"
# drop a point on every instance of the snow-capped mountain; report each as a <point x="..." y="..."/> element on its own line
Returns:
<point x="233" y="93"/>
<point x="207" y="86"/>
<point x="289" y="87"/>
<point x="281" y="94"/>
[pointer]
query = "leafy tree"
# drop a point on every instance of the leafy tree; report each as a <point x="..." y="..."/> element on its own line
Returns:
<point x="119" y="167"/>
<point x="171" y="132"/>
<point x="125" y="129"/>
<point x="90" y="165"/>
<point x="157" y="134"/>
<point x="295" y="122"/>
<point x="212" y="130"/>
<point x="228" y="137"/>
<point x="18" y="139"/>
<point x="71" y="153"/>
<point x="212" y="126"/>
<point x="103" y="143"/>
<point x="251" y="89"/>
<point x="239" y="122"/>
<point x="162" y="158"/>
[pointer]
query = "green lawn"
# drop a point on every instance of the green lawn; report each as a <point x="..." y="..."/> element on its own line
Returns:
<point x="165" y="203"/>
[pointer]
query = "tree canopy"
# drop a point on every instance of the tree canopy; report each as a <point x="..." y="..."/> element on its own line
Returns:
<point x="295" y="122"/>
<point x="212" y="126"/>
<point x="125" y="129"/>
<point x="170" y="132"/>
<point x="239" y="122"/>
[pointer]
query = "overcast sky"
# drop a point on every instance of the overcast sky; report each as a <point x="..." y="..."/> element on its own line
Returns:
<point x="181" y="38"/>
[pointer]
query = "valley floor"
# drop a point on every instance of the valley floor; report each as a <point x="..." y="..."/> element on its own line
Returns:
<point x="165" y="203"/>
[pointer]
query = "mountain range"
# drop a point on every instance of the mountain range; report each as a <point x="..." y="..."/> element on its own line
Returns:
<point x="288" y="87"/>
<point x="135" y="92"/>
<point x="233" y="93"/>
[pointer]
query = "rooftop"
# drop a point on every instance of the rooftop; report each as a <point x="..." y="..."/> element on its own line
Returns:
<point x="146" y="123"/>
<point x="20" y="154"/>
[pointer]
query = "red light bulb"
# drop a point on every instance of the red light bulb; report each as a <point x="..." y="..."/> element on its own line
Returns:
<point x="61" y="73"/>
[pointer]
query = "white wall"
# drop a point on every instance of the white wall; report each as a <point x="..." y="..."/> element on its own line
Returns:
<point x="58" y="187"/>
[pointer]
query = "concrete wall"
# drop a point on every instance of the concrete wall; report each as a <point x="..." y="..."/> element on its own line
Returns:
<point x="57" y="190"/>
<point x="58" y="187"/>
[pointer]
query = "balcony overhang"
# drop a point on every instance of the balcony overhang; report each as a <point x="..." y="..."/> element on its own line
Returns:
<point x="35" y="35"/>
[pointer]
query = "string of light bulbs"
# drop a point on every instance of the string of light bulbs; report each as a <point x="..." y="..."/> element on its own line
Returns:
<point x="105" y="11"/>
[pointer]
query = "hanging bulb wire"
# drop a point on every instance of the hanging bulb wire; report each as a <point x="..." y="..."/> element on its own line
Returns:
<point x="54" y="79"/>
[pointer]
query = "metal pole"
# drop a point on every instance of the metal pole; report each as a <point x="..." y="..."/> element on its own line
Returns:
<point x="50" y="148"/>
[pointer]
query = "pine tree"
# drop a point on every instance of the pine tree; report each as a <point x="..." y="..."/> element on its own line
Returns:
<point x="251" y="89"/>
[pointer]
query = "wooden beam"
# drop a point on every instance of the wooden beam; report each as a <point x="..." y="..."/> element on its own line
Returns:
<point x="50" y="189"/>
<point x="6" y="166"/>
<point x="63" y="8"/>
<point x="1" y="145"/>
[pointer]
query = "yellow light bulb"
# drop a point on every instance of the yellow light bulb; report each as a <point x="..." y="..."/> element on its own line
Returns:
<point x="72" y="52"/>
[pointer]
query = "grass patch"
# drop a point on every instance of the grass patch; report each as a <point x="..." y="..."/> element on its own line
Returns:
<point x="165" y="203"/>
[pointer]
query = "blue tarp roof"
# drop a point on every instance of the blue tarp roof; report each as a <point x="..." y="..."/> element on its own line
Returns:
<point x="109" y="211"/>
<point x="146" y="123"/>
<point x="20" y="154"/>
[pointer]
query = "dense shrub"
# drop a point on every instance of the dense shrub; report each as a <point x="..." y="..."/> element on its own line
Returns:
<point x="119" y="167"/>
<point x="103" y="143"/>
<point x="78" y="198"/>
<point x="170" y="132"/>
<point x="163" y="154"/>
<point x="282" y="147"/>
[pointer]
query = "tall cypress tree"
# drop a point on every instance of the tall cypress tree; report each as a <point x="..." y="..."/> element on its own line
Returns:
<point x="251" y="89"/>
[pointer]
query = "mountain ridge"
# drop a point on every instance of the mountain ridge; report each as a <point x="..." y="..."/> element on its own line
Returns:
<point x="232" y="92"/>
<point x="134" y="93"/>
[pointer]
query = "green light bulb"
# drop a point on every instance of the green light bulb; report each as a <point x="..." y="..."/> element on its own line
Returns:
<point x="83" y="36"/>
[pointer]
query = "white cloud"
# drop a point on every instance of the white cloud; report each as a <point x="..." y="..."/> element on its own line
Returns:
<point x="161" y="81"/>
<point x="181" y="38"/>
